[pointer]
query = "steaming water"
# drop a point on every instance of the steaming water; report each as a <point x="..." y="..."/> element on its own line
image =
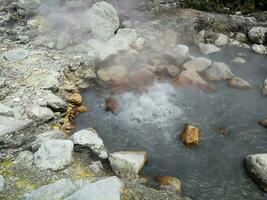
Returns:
<point x="213" y="170"/>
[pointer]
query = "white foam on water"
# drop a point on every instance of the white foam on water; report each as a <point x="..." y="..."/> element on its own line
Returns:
<point x="156" y="107"/>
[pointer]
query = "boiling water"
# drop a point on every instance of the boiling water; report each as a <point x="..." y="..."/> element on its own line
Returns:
<point x="151" y="121"/>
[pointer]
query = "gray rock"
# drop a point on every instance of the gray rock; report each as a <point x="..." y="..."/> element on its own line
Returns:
<point x="239" y="60"/>
<point x="178" y="55"/>
<point x="102" y="20"/>
<point x="208" y="48"/>
<point x="2" y="183"/>
<point x="107" y="189"/>
<point x="260" y="49"/>
<point x="127" y="162"/>
<point x="264" y="88"/>
<point x="89" y="138"/>
<point x="241" y="37"/>
<point x="48" y="135"/>
<point x="199" y="64"/>
<point x="239" y="83"/>
<point x="54" y="155"/>
<point x="51" y="82"/>
<point x="40" y="114"/>
<point x="258" y="34"/>
<point x="173" y="70"/>
<point x="29" y="4"/>
<point x="257" y="168"/>
<point x="4" y="88"/>
<point x="218" y="72"/>
<point x="24" y="158"/>
<point x="221" y="40"/>
<point x="16" y="55"/>
<point x="96" y="167"/>
<point x="63" y="41"/>
<point x="55" y="103"/>
<point x="6" y="111"/>
<point x="56" y="191"/>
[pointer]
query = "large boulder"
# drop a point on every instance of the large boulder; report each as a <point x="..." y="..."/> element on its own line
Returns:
<point x="89" y="138"/>
<point x="208" y="48"/>
<point x="221" y="40"/>
<point x="239" y="83"/>
<point x="218" y="72"/>
<point x="260" y="49"/>
<point x="114" y="74"/>
<point x="106" y="189"/>
<point x="127" y="162"/>
<point x="55" y="191"/>
<point x="258" y="34"/>
<point x="102" y="20"/>
<point x="6" y="111"/>
<point x="54" y="155"/>
<point x="40" y="114"/>
<point x="178" y="55"/>
<point x="198" y="64"/>
<point x="257" y="168"/>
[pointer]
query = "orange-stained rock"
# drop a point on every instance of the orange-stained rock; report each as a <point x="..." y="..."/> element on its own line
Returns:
<point x="222" y="131"/>
<point x="263" y="123"/>
<point x="82" y="109"/>
<point x="141" y="77"/>
<point x="190" y="135"/>
<point x="170" y="182"/>
<point x="190" y="77"/>
<point x="75" y="98"/>
<point x="111" y="105"/>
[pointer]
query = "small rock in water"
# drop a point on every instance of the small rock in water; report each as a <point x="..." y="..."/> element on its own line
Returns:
<point x="263" y="123"/>
<point x="169" y="182"/>
<point x="89" y="138"/>
<point x="63" y="41"/>
<point x="6" y="111"/>
<point x="127" y="162"/>
<point x="264" y="88"/>
<point x="2" y="183"/>
<point x="218" y="72"/>
<point x="239" y="60"/>
<point x="239" y="83"/>
<point x="221" y="40"/>
<point x="75" y="98"/>
<point x="260" y="49"/>
<point x="40" y="114"/>
<point x="111" y="105"/>
<point x="55" y="191"/>
<point x="257" y="166"/>
<point x="16" y="55"/>
<point x="222" y="131"/>
<point x="82" y="109"/>
<point x="54" y="155"/>
<point x="208" y="48"/>
<point x="190" y="135"/>
<point x="198" y="64"/>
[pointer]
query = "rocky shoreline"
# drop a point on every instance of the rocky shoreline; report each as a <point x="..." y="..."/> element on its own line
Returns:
<point x="43" y="69"/>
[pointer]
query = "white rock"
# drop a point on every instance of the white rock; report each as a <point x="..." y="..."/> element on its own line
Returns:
<point x="55" y="191"/>
<point x="259" y="49"/>
<point x="16" y="55"/>
<point x="89" y="138"/>
<point x="24" y="158"/>
<point x="127" y="162"/>
<point x="198" y="64"/>
<point x="257" y="168"/>
<point x="106" y="189"/>
<point x="40" y="114"/>
<point x="112" y="74"/>
<point x="221" y="40"/>
<point x="258" y="34"/>
<point x="6" y="111"/>
<point x="208" y="48"/>
<point x="178" y="55"/>
<point x="218" y="72"/>
<point x="239" y="60"/>
<point x="102" y="20"/>
<point x="239" y="83"/>
<point x="2" y="183"/>
<point x="54" y="155"/>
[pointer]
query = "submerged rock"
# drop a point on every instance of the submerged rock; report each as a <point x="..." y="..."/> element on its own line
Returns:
<point x="111" y="104"/>
<point x="239" y="83"/>
<point x="198" y="64"/>
<point x="16" y="55"/>
<point x="40" y="114"/>
<point x="258" y="34"/>
<point x="257" y="168"/>
<point x="107" y="189"/>
<point x="127" y="162"/>
<point x="54" y="155"/>
<point x="260" y="49"/>
<point x="141" y="77"/>
<point x="102" y="20"/>
<point x="208" y="48"/>
<point x="219" y="72"/>
<point x="190" y="135"/>
<point x="263" y="123"/>
<point x="169" y="182"/>
<point x="6" y="111"/>
<point x="55" y="191"/>
<point x="239" y="60"/>
<point x="89" y="138"/>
